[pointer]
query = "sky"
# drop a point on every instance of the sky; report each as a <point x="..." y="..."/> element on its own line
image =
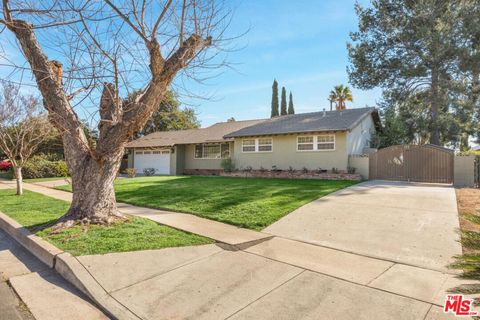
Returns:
<point x="302" y="44"/>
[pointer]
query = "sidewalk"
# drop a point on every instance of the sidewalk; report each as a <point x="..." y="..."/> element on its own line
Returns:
<point x="47" y="295"/>
<point x="264" y="277"/>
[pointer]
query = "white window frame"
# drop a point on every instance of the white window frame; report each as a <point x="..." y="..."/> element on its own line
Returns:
<point x="315" y="142"/>
<point x="220" y="146"/>
<point x="257" y="145"/>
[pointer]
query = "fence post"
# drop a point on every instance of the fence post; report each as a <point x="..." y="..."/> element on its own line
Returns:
<point x="465" y="170"/>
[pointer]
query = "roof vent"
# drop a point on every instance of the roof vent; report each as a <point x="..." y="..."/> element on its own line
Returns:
<point x="324" y="112"/>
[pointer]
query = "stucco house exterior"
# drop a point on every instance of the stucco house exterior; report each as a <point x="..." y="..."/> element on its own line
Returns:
<point x="310" y="140"/>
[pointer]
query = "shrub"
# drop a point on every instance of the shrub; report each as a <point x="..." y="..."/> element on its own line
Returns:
<point x="248" y="169"/>
<point x="45" y="166"/>
<point x="149" y="171"/>
<point x="351" y="170"/>
<point x="291" y="170"/>
<point x="131" y="172"/>
<point x="276" y="169"/>
<point x="305" y="170"/>
<point x="262" y="169"/>
<point x="61" y="168"/>
<point x="335" y="170"/>
<point x="227" y="165"/>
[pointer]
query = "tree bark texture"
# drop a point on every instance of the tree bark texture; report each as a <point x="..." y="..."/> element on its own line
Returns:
<point x="434" y="132"/>
<point x="19" y="179"/>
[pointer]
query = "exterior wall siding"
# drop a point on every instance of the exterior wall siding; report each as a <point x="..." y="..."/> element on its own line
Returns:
<point x="359" y="138"/>
<point x="285" y="154"/>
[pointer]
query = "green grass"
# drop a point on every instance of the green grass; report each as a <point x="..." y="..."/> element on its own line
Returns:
<point x="33" y="210"/>
<point x="249" y="203"/>
<point x="470" y="239"/>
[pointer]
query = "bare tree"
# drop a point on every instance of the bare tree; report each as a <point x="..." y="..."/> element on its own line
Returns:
<point x="23" y="127"/>
<point x="103" y="50"/>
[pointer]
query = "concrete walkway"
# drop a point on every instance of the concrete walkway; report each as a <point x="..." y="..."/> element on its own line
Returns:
<point x="277" y="279"/>
<point x="293" y="275"/>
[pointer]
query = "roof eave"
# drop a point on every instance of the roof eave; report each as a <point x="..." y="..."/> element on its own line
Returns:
<point x="291" y="132"/>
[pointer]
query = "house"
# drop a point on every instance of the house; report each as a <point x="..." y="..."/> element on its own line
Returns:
<point x="310" y="140"/>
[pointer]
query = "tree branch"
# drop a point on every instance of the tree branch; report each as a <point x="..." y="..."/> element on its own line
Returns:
<point x="48" y="77"/>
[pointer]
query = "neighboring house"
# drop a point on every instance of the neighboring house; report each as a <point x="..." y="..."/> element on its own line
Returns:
<point x="311" y="140"/>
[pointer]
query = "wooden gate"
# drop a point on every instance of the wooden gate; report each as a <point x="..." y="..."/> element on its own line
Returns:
<point x="421" y="163"/>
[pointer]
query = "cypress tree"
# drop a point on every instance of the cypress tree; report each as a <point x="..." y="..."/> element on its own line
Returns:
<point x="283" y="103"/>
<point x="274" y="99"/>
<point x="291" y="110"/>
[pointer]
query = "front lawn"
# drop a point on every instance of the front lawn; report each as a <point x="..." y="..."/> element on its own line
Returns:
<point x="249" y="203"/>
<point x="33" y="210"/>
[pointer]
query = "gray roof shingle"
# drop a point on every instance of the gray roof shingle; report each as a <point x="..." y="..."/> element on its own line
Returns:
<point x="214" y="133"/>
<point x="306" y="122"/>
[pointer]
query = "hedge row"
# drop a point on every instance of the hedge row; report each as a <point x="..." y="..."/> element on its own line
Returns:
<point x="45" y="166"/>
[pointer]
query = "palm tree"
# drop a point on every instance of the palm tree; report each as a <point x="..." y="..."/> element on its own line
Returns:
<point x="340" y="95"/>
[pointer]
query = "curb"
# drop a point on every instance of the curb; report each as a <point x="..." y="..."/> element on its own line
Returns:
<point x="68" y="267"/>
<point x="74" y="272"/>
<point x="43" y="250"/>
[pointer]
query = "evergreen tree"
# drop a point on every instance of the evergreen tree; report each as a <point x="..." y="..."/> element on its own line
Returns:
<point x="407" y="46"/>
<point x="283" y="102"/>
<point x="291" y="110"/>
<point x="274" y="99"/>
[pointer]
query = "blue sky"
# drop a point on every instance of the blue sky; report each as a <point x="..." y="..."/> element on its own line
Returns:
<point x="300" y="43"/>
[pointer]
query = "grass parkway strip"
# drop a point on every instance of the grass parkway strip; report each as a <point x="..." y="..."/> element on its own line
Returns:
<point x="33" y="210"/>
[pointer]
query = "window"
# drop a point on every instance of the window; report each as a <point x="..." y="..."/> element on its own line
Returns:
<point x="212" y="151"/>
<point x="304" y="143"/>
<point x="257" y="145"/>
<point x="265" y="144"/>
<point x="147" y="152"/>
<point x="225" y="150"/>
<point x="139" y="152"/>
<point x="248" y="145"/>
<point x="157" y="152"/>
<point x="199" y="151"/>
<point x="324" y="142"/>
<point x="165" y="152"/>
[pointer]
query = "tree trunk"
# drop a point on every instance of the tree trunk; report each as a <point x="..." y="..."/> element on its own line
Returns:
<point x="434" y="133"/>
<point x="19" y="178"/>
<point x="464" y="144"/>
<point x="93" y="194"/>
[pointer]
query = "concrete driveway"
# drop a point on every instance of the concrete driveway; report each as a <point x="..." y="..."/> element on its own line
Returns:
<point x="410" y="223"/>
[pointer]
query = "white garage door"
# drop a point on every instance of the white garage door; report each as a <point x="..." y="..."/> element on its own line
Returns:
<point x="157" y="159"/>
